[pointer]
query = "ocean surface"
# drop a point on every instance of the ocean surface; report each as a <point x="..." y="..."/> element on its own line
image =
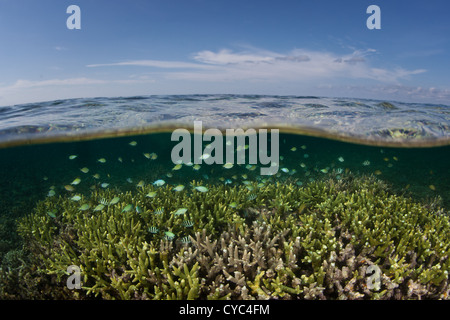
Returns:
<point x="370" y="121"/>
<point x="72" y="147"/>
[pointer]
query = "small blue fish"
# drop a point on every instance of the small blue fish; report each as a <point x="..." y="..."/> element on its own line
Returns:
<point x="180" y="211"/>
<point x="187" y="224"/>
<point x="252" y="197"/>
<point x="99" y="207"/>
<point x="127" y="208"/>
<point x="114" y="201"/>
<point x="84" y="207"/>
<point x="76" y="198"/>
<point x="169" y="236"/>
<point x="153" y="229"/>
<point x="159" y="183"/>
<point x="52" y="214"/>
<point x="185" y="240"/>
<point x="179" y="188"/>
<point x="201" y="189"/>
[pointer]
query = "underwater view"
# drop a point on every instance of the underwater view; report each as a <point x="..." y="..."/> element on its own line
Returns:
<point x="355" y="206"/>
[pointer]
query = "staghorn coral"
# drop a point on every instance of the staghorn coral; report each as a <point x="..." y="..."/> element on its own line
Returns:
<point x="281" y="242"/>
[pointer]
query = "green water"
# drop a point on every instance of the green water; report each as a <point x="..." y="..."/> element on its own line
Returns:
<point x="28" y="172"/>
<point x="40" y="172"/>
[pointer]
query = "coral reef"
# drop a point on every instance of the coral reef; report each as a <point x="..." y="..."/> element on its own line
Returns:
<point x="258" y="241"/>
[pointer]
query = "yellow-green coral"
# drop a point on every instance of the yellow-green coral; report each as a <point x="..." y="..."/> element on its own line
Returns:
<point x="278" y="241"/>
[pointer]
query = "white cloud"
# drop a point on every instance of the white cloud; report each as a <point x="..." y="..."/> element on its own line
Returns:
<point x="22" y="84"/>
<point x="26" y="91"/>
<point x="224" y="57"/>
<point x="262" y="65"/>
<point x="27" y="84"/>
<point x="152" y="63"/>
<point x="297" y="65"/>
<point x="250" y="70"/>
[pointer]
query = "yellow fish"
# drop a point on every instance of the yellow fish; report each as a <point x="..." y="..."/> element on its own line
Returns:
<point x="233" y="205"/>
<point x="84" y="170"/>
<point x="140" y="184"/>
<point x="177" y="167"/>
<point x="102" y="160"/>
<point x="84" y="207"/>
<point x="69" y="188"/>
<point x="133" y="143"/>
<point x="201" y="189"/>
<point x="179" y="188"/>
<point x="76" y="181"/>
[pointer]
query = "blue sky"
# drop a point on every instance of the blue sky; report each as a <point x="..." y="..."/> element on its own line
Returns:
<point x="145" y="47"/>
